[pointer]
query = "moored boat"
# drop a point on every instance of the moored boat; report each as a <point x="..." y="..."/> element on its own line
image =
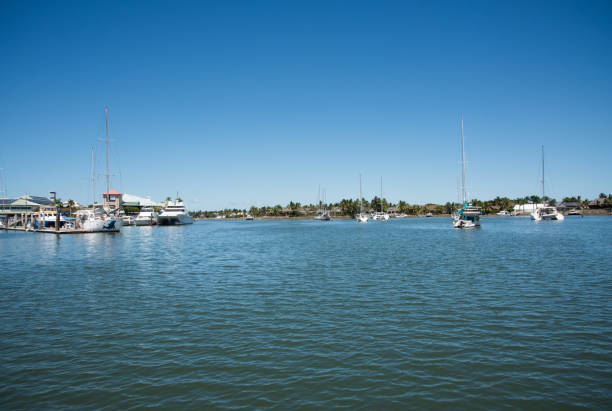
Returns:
<point x="467" y="216"/>
<point x="175" y="213"/>
<point x="546" y="212"/>
<point x="147" y="216"/>
<point x="97" y="220"/>
<point x="361" y="217"/>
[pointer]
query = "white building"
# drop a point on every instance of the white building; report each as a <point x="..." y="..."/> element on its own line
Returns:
<point x="526" y="208"/>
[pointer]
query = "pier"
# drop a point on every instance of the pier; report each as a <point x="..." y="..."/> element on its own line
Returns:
<point x="60" y="231"/>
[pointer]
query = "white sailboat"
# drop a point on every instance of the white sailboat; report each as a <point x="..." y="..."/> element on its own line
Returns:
<point x="546" y="212"/>
<point x="467" y="216"/>
<point x="361" y="217"/>
<point x="322" y="213"/>
<point x="98" y="219"/>
<point x="380" y="215"/>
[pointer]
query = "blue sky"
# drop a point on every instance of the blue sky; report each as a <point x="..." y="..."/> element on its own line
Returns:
<point x="240" y="103"/>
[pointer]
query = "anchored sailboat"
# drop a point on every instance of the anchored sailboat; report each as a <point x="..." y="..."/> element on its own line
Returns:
<point x="322" y="213"/>
<point x="361" y="217"/>
<point x="467" y="216"/>
<point x="381" y="215"/>
<point x="546" y="212"/>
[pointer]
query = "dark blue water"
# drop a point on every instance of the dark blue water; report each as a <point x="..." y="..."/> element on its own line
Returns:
<point x="305" y="314"/>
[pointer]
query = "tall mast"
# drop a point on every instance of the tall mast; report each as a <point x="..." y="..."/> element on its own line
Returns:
<point x="542" y="174"/>
<point x="360" y="197"/>
<point x="381" y="200"/>
<point x="107" y="175"/>
<point x="463" y="196"/>
<point x="93" y="180"/>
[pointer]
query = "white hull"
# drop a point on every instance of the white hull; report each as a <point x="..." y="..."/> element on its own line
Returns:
<point x="361" y="218"/>
<point x="127" y="220"/>
<point x="97" y="221"/>
<point x="553" y="216"/>
<point x="458" y="223"/>
<point x="144" y="222"/>
<point x="380" y="217"/>
<point x="177" y="219"/>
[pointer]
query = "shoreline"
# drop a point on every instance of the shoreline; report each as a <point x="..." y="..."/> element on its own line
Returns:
<point x="586" y="213"/>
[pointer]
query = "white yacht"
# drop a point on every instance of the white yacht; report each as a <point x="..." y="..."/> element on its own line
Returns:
<point x="248" y="217"/>
<point x="97" y="220"/>
<point x="175" y="213"/>
<point x="126" y="219"/>
<point x="147" y="216"/>
<point x="546" y="212"/>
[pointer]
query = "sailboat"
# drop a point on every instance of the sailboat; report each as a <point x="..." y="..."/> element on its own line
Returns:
<point x="361" y="217"/>
<point x="98" y="219"/>
<point x="467" y="216"/>
<point x="546" y="212"/>
<point x="381" y="215"/>
<point x="323" y="214"/>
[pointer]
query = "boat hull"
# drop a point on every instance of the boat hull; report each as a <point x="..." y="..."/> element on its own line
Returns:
<point x="180" y="219"/>
<point x="361" y="218"/>
<point x="145" y="222"/>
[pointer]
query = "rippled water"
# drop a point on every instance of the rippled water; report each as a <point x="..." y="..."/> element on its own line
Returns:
<point x="298" y="314"/>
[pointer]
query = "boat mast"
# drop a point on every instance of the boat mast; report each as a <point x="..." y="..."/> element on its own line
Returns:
<point x="381" y="200"/>
<point x="463" y="196"/>
<point x="106" y="140"/>
<point x="93" y="180"/>
<point x="360" y="197"/>
<point x="542" y="174"/>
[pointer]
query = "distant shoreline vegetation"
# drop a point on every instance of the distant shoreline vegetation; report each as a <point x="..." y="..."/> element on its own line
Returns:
<point x="350" y="207"/>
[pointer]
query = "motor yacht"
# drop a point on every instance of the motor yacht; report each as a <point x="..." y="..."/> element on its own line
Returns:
<point x="175" y="213"/>
<point x="147" y="216"/>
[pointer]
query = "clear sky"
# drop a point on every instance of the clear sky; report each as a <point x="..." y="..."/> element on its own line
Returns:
<point x="258" y="102"/>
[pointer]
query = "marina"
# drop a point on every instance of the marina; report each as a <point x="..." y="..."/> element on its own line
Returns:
<point x="179" y="220"/>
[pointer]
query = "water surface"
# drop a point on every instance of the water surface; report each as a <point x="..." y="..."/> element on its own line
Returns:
<point x="305" y="314"/>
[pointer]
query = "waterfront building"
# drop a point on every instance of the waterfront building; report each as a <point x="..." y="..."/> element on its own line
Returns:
<point x="526" y="208"/>
<point x="111" y="200"/>
<point x="23" y="204"/>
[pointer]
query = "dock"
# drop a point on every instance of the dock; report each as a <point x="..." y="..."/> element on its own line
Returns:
<point x="61" y="231"/>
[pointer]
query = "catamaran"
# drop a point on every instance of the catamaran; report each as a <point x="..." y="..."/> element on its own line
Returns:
<point x="175" y="213"/>
<point x="467" y="216"/>
<point x="361" y="217"/>
<point x="546" y="212"/>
